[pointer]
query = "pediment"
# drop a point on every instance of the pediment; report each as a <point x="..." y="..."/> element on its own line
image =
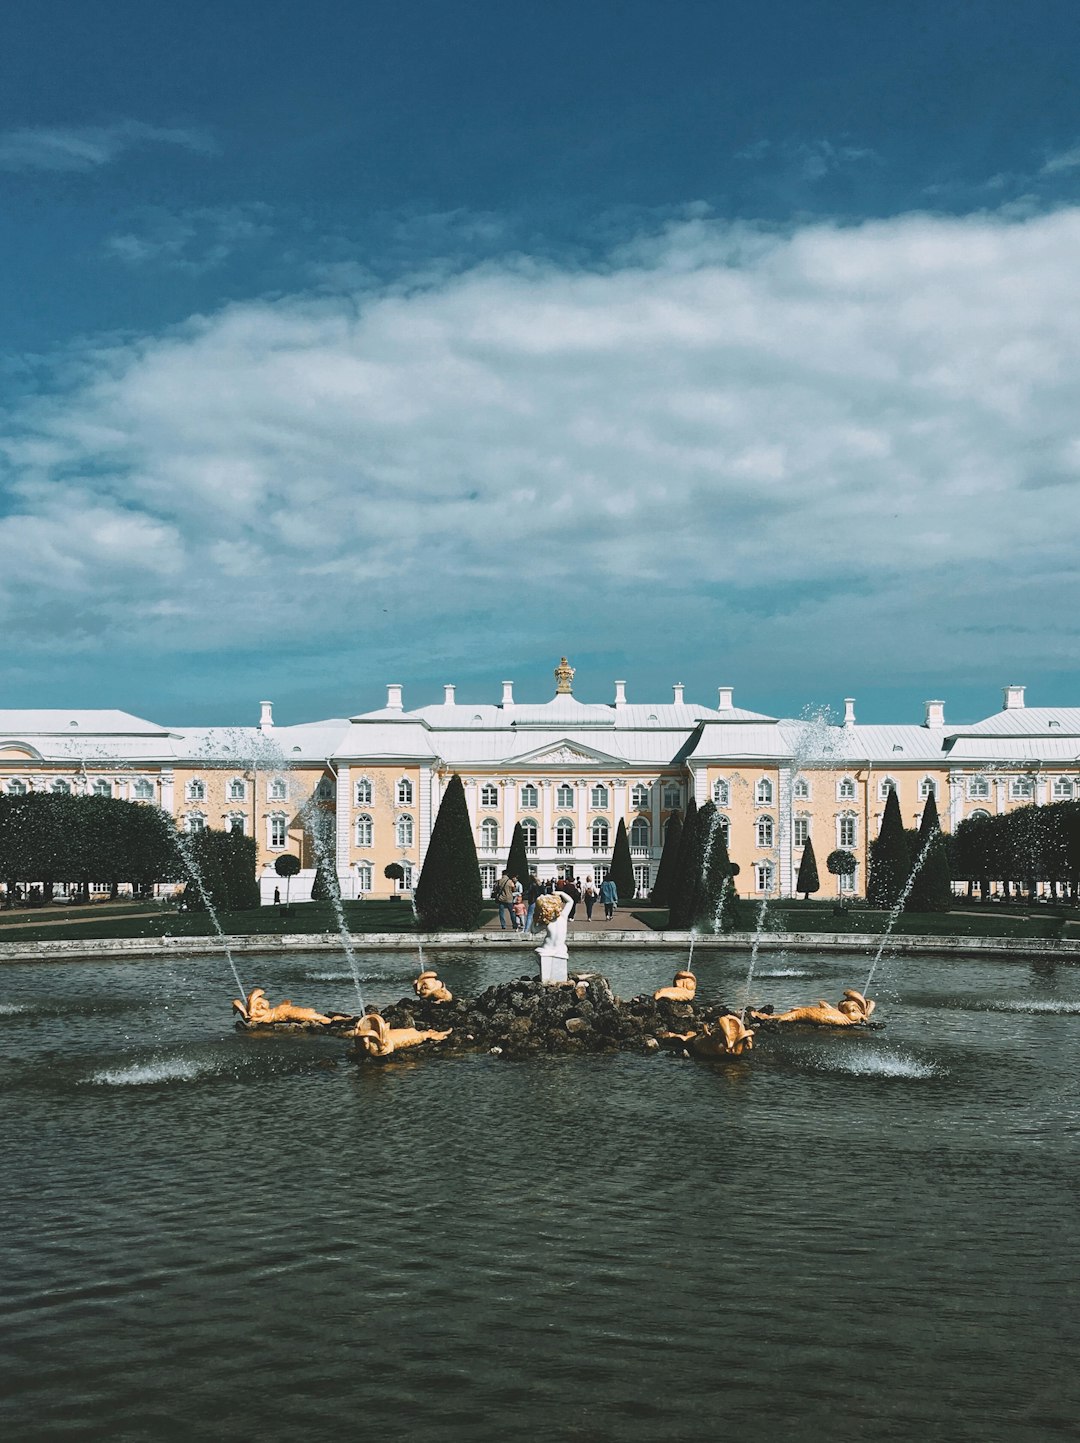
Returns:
<point x="567" y="754"/>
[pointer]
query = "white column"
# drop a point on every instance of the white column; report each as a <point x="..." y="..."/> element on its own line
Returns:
<point x="999" y="794"/>
<point x="583" y="846"/>
<point x="509" y="811"/>
<point x="343" y="820"/>
<point x="1042" y="789"/>
<point x="956" y="799"/>
<point x="547" y="836"/>
<point x="425" y="816"/>
<point x="470" y="803"/>
<point x="700" y="782"/>
<point x="622" y="812"/>
<point x="168" y="791"/>
<point x="785" y="870"/>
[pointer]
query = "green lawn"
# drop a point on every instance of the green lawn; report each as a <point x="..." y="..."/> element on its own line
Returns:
<point x="962" y="922"/>
<point x="152" y="920"/>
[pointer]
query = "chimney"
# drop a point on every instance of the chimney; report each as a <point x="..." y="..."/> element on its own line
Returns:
<point x="935" y="714"/>
<point x="620" y="693"/>
<point x="1014" y="698"/>
<point x="678" y="693"/>
<point x="266" y="717"/>
<point x="448" y="698"/>
<point x="393" y="696"/>
<point x="849" y="711"/>
<point x="508" y="693"/>
<point x="723" y="699"/>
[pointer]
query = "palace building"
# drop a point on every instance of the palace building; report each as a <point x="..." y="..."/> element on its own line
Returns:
<point x="568" y="770"/>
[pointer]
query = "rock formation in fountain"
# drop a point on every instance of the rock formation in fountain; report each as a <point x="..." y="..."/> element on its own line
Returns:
<point x="854" y="1010"/>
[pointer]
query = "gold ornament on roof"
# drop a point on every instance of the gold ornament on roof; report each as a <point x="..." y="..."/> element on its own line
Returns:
<point x="564" y="678"/>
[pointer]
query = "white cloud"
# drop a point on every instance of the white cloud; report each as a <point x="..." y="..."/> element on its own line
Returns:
<point x="194" y="240"/>
<point x="835" y="448"/>
<point x="86" y="147"/>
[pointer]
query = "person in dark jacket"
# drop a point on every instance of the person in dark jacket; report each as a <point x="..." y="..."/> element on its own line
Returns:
<point x="535" y="889"/>
<point x="504" y="895"/>
<point x="573" y="891"/>
<point x="609" y="895"/>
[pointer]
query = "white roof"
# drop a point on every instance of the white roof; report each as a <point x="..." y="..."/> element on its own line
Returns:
<point x="55" y="722"/>
<point x="1016" y="750"/>
<point x="1025" y="721"/>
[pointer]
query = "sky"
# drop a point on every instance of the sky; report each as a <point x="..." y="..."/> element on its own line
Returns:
<point x="422" y="342"/>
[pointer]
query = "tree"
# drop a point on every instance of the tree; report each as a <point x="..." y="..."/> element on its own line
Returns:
<point x="225" y="863"/>
<point x="807" y="881"/>
<point x="890" y="863"/>
<point x="287" y="866"/>
<point x="713" y="906"/>
<point x="449" y="894"/>
<point x="517" y="863"/>
<point x="393" y="871"/>
<point x="931" y="887"/>
<point x="622" y="868"/>
<point x="684" y="881"/>
<point x="669" y="857"/>
<point x="841" y="864"/>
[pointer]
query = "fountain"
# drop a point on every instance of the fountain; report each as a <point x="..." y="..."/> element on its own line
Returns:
<point x="255" y="1011"/>
<point x="180" y="842"/>
<point x="853" y="1011"/>
<point x="898" y="907"/>
<point x="682" y="989"/>
<point x="315" y="824"/>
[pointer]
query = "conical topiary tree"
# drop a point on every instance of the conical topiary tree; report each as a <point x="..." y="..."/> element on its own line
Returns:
<point x="931" y="887"/>
<point x="684" y="881"/>
<point x="713" y="905"/>
<point x="808" y="880"/>
<point x="517" y="864"/>
<point x="665" y="873"/>
<point x="622" y="868"/>
<point x="889" y="859"/>
<point x="448" y="894"/>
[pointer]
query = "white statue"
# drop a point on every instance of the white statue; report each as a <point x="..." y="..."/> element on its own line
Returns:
<point x="552" y="951"/>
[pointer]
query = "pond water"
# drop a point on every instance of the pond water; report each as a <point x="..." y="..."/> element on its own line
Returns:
<point x="866" y="1235"/>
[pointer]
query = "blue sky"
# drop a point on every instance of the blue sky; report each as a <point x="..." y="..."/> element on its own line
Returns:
<point x="423" y="342"/>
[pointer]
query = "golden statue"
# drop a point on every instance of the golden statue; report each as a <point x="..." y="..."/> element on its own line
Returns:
<point x="255" y="1008"/>
<point x="429" y="989"/>
<point x="379" y="1039"/>
<point x="683" y="989"/>
<point x="564" y="678"/>
<point x="854" y="1008"/>
<point x="727" y="1037"/>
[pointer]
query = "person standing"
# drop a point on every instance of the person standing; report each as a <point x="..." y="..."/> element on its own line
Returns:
<point x="504" y="895"/>
<point x="571" y="889"/>
<point x="589" y="895"/>
<point x="535" y="889"/>
<point x="609" y="895"/>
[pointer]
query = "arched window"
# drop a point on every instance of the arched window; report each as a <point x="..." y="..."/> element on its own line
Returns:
<point x="721" y="793"/>
<point x="61" y="787"/>
<point x="324" y="792"/>
<point x="764" y="831"/>
<point x="978" y="815"/>
<point x="144" y="790"/>
<point x="530" y="797"/>
<point x="16" y="788"/>
<point x="234" y="822"/>
<point x="196" y="790"/>
<point x="847" y="831"/>
<point x="801" y="790"/>
<point x="599" y="836"/>
<point x="404" y="793"/>
<point x="363" y="792"/>
<point x="639" y="833"/>
<point x="103" y="787"/>
<point x="845" y="789"/>
<point x="763" y="792"/>
<point x="763" y="876"/>
<point x="801" y="831"/>
<point x="489" y="834"/>
<point x="363" y="876"/>
<point x="979" y="788"/>
<point x="530" y="833"/>
<point x="885" y="786"/>
<point x="404" y="831"/>
<point x="278" y="831"/>
<point x="277" y="790"/>
<point x="237" y="790"/>
<point x="927" y="789"/>
<point x="1063" y="789"/>
<point x="1021" y="789"/>
<point x="564" y="797"/>
<point x="489" y="795"/>
<point x="725" y="829"/>
<point x="672" y="796"/>
<point x="564" y="834"/>
<point x="365" y="830"/>
<point x="195" y="822"/>
<point x="639" y="797"/>
<point x="599" y="796"/>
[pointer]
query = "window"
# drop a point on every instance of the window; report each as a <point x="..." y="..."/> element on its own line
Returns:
<point x="363" y="792"/>
<point x="234" y="822"/>
<point x="237" y="790"/>
<point x="1063" y="789"/>
<point x="365" y="830"/>
<point x="763" y="875"/>
<point x="277" y="791"/>
<point x="530" y="797"/>
<point x="488" y="877"/>
<point x="639" y="833"/>
<point x="639" y="797"/>
<point x="885" y="786"/>
<point x="642" y="879"/>
<point x="144" y="790"/>
<point x="725" y="829"/>
<point x="404" y="793"/>
<point x="599" y="836"/>
<point x="765" y="831"/>
<point x="979" y="787"/>
<point x="363" y="877"/>
<point x="564" y="797"/>
<point x="927" y="789"/>
<point x="406" y="881"/>
<point x="801" y="790"/>
<point x="847" y="882"/>
<point x="564" y="835"/>
<point x="978" y="815"/>
<point x="599" y="796"/>
<point x="102" y="787"/>
<point x="279" y="835"/>
<point x="845" y="789"/>
<point x="489" y="795"/>
<point x="195" y="822"/>
<point x="404" y="832"/>
<point x="672" y="796"/>
<point x="1021" y="788"/>
<point x="529" y="833"/>
<point x="721" y="793"/>
<point x="802" y="831"/>
<point x="599" y="872"/>
<point x="763" y="792"/>
<point x="489" y="835"/>
<point x="196" y="790"/>
<point x="16" y="788"/>
<point x="324" y="792"/>
<point x="61" y="787"/>
<point x="847" y="835"/>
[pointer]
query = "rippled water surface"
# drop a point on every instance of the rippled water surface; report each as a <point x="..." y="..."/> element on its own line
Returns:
<point x="842" y="1236"/>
